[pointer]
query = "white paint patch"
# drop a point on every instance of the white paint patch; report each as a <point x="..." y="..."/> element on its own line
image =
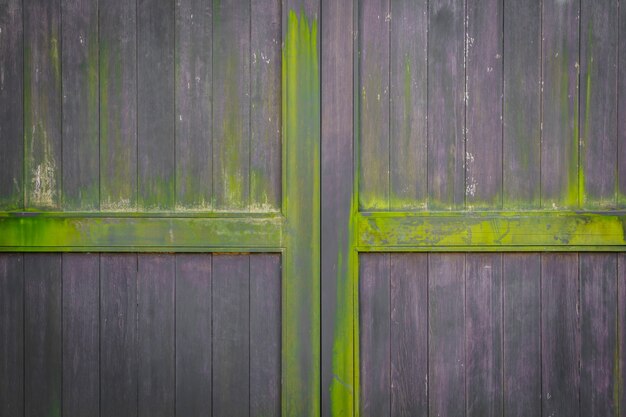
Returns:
<point x="44" y="184"/>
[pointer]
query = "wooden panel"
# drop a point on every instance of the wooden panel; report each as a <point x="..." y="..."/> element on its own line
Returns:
<point x="374" y="351"/>
<point x="484" y="72"/>
<point x="11" y="106"/>
<point x="118" y="104"/>
<point x="81" y="132"/>
<point x="522" y="334"/>
<point x="621" y="104"/>
<point x="193" y="335"/>
<point x="231" y="335"/>
<point x="194" y="167"/>
<point x="11" y="335"/>
<point x="42" y="104"/>
<point x="374" y="18"/>
<point x="560" y="340"/>
<point x="521" y="149"/>
<point x="446" y="104"/>
<point x="155" y="328"/>
<point x="409" y="334"/>
<point x="42" y="335"/>
<point x="81" y="335"/>
<point x="265" y="330"/>
<point x="598" y="334"/>
<point x="560" y="68"/>
<point x="621" y="331"/>
<point x="118" y="335"/>
<point x="446" y="328"/>
<point x="408" y="185"/>
<point x="155" y="104"/>
<point x="231" y="108"/>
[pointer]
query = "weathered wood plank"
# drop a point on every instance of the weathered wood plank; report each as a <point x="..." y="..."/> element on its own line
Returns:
<point x="446" y="330"/>
<point x="43" y="366"/>
<point x="375" y="334"/>
<point x="560" y="335"/>
<point x="374" y="18"/>
<point x="231" y="107"/>
<point x="483" y="100"/>
<point x="621" y="331"/>
<point x="521" y="274"/>
<point x="483" y="330"/>
<point x="11" y="106"/>
<point x="118" y="335"/>
<point x="560" y="118"/>
<point x="118" y="104"/>
<point x="155" y="330"/>
<point x="265" y="326"/>
<point x="598" y="334"/>
<point x="446" y="104"/>
<point x="521" y="148"/>
<point x="621" y="104"/>
<point x="193" y="335"/>
<point x="42" y="104"/>
<point x="11" y="335"/>
<point x="81" y="104"/>
<point x="81" y="334"/>
<point x="408" y="185"/>
<point x="194" y="159"/>
<point x="409" y="334"/>
<point x="231" y="335"/>
<point x="156" y="104"/>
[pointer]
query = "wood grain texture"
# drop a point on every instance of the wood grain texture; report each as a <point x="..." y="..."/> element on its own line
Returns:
<point x="81" y="334"/>
<point x="118" y="335"/>
<point x="621" y="331"/>
<point x="156" y="340"/>
<point x="521" y="280"/>
<point x="11" y="105"/>
<point x="409" y="334"/>
<point x="194" y="158"/>
<point x="621" y="105"/>
<point x="43" y="367"/>
<point x="446" y="104"/>
<point x="484" y="72"/>
<point x="81" y="104"/>
<point x="560" y="334"/>
<point x="11" y="335"/>
<point x="446" y="330"/>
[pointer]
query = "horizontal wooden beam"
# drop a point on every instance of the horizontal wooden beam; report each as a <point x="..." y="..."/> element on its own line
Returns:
<point x="492" y="231"/>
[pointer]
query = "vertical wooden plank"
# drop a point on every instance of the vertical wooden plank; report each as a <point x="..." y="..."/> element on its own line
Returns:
<point x="408" y="187"/>
<point x="621" y="105"/>
<point x="231" y="335"/>
<point x="42" y="104"/>
<point x="11" y="335"/>
<point x="11" y="106"/>
<point x="374" y="333"/>
<point x="81" y="333"/>
<point x="560" y="69"/>
<point x="521" y="149"/>
<point x="156" y="104"/>
<point x="155" y="328"/>
<point x="231" y="109"/>
<point x="193" y="335"/>
<point x="522" y="334"/>
<point x="483" y="329"/>
<point x="42" y="335"/>
<point x="446" y="104"/>
<point x="621" y="331"/>
<point x="265" y="325"/>
<point x="598" y="106"/>
<point x="118" y="335"/>
<point x="118" y="104"/>
<point x="446" y="330"/>
<point x="265" y="123"/>
<point x="484" y="72"/>
<point x="194" y="167"/>
<point x="598" y="334"/>
<point x="409" y="334"/>
<point x="560" y="335"/>
<point x="373" y="31"/>
<point x="81" y="131"/>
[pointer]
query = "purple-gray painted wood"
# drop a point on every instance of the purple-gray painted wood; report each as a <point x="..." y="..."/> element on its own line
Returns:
<point x="621" y="106"/>
<point x="621" y="332"/>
